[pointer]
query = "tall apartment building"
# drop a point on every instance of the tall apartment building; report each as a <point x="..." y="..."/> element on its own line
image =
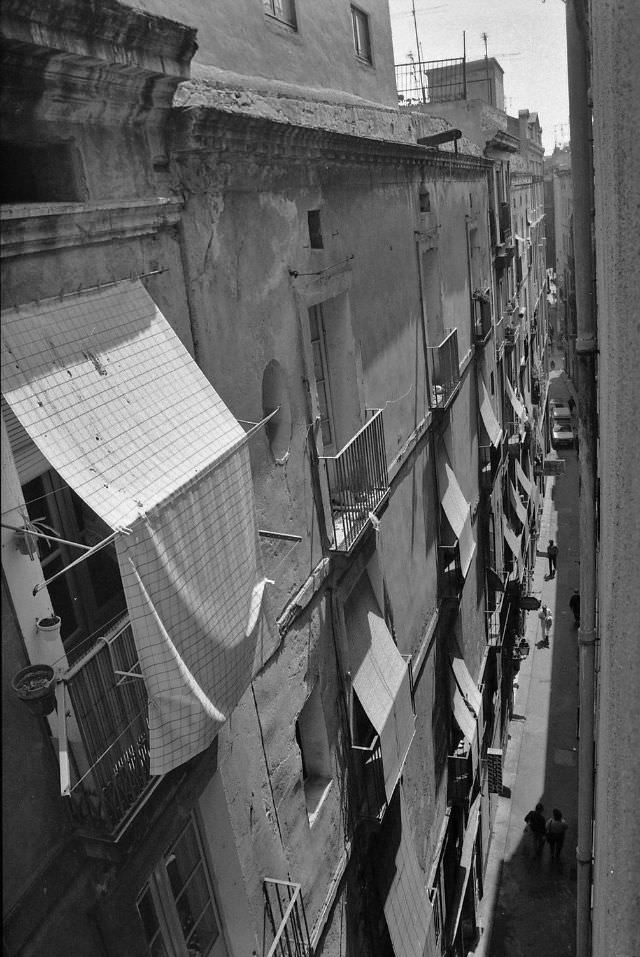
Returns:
<point x="559" y="209"/>
<point x="270" y="468"/>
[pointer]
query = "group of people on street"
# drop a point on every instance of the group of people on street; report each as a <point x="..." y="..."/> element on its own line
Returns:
<point x="552" y="830"/>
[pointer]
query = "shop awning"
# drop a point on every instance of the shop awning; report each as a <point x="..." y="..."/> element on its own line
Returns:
<point x="380" y="678"/>
<point x="466" y="861"/>
<point x="525" y="482"/>
<point x="519" y="508"/>
<point x="457" y="510"/>
<point x="113" y="400"/>
<point x="400" y="880"/>
<point x="489" y="419"/>
<point x="517" y="404"/>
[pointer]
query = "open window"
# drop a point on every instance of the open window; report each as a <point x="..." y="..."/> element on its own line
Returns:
<point x="177" y="905"/>
<point x="311" y="736"/>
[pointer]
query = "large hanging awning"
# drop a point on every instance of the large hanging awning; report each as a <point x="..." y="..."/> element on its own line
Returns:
<point x="457" y="509"/>
<point x="489" y="419"/>
<point x="115" y="403"/>
<point x="400" y="881"/>
<point x="519" y="508"/>
<point x="517" y="404"/>
<point x="515" y="544"/>
<point x="525" y="482"/>
<point x="467" y="706"/>
<point x="380" y="678"/>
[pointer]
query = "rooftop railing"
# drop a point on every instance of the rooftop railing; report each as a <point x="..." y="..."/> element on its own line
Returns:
<point x="444" y="371"/>
<point x="109" y="776"/>
<point x="286" y="931"/>
<point x="358" y="482"/>
<point x="431" y="81"/>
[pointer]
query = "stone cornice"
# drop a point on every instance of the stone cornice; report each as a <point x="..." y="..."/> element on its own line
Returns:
<point x="237" y="136"/>
<point x="35" y="227"/>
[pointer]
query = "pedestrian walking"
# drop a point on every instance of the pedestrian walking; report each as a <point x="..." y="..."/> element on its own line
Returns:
<point x="546" y="623"/>
<point x="552" y="556"/>
<point x="537" y="826"/>
<point x="556" y="830"/>
<point x="574" y="605"/>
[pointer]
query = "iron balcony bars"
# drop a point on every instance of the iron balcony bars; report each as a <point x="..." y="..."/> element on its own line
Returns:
<point x="432" y="81"/>
<point x="108" y="766"/>
<point x="358" y="482"/>
<point x="444" y="371"/>
<point x="286" y="929"/>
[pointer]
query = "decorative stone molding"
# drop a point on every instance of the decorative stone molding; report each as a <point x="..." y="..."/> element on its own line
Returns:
<point x="34" y="227"/>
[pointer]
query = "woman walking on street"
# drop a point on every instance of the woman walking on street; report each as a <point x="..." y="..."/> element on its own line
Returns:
<point x="556" y="830"/>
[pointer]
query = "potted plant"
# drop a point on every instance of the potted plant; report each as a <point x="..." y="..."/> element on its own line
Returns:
<point x="35" y="685"/>
<point x="50" y="625"/>
<point x="28" y="544"/>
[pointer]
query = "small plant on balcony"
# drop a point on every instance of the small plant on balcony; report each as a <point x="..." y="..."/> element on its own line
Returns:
<point x="35" y="686"/>
<point x="26" y="537"/>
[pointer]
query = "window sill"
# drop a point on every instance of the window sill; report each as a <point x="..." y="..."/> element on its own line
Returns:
<point x="316" y="790"/>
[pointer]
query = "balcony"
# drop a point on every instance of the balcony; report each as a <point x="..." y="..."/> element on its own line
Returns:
<point x="489" y="459"/>
<point x="444" y="371"/>
<point x="483" y="320"/>
<point x="369" y="792"/>
<point x="450" y="579"/>
<point x="286" y="931"/>
<point x="460" y="775"/>
<point x="109" y="774"/>
<point x="358" y="482"/>
<point x="510" y="336"/>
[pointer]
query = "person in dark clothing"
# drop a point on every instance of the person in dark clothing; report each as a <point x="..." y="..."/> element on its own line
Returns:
<point x="574" y="605"/>
<point x="556" y="830"/>
<point x="537" y="826"/>
<point x="552" y="555"/>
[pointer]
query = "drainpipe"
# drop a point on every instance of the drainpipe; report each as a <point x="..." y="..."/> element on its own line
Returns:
<point x="582" y="176"/>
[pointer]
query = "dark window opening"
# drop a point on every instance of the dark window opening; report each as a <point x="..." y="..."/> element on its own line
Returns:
<point x="361" y="35"/>
<point x="282" y="10"/>
<point x="425" y="201"/>
<point x="315" y="229"/>
<point x="492" y="385"/>
<point x="38" y="174"/>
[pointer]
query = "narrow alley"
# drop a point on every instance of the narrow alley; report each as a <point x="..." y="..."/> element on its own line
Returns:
<point x="529" y="902"/>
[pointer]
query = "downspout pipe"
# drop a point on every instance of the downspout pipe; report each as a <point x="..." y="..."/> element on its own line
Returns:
<point x="586" y="351"/>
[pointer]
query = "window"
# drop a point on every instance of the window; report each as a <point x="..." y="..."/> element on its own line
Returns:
<point x="282" y="10"/>
<point x="361" y="36"/>
<point x="320" y="370"/>
<point x="311" y="736"/>
<point x="177" y="906"/>
<point x="33" y="173"/>
<point x="315" y="229"/>
<point x="89" y="596"/>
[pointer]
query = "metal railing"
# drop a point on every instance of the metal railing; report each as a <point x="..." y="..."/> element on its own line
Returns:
<point x="489" y="459"/>
<point x="286" y="931"/>
<point x="358" y="482"/>
<point x="460" y="775"/>
<point x="370" y="793"/>
<point x="504" y="221"/>
<point x="109" y="701"/>
<point x="483" y="321"/>
<point x="431" y="81"/>
<point x="444" y="371"/>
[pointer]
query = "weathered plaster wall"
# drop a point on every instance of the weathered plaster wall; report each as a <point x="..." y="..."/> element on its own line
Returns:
<point x="616" y="115"/>
<point x="239" y="36"/>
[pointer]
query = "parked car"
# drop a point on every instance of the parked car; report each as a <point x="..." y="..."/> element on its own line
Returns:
<point x="559" y="410"/>
<point x="562" y="433"/>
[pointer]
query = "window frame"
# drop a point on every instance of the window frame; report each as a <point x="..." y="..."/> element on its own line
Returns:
<point x="170" y="931"/>
<point x="290" y="20"/>
<point x="360" y="20"/>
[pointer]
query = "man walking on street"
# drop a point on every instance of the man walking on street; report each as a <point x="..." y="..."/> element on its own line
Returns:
<point x="552" y="555"/>
<point x="538" y="827"/>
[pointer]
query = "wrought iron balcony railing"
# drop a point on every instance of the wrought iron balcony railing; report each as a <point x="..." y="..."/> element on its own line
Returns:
<point x="444" y="371"/>
<point x="370" y="796"/>
<point x="286" y="931"/>
<point x="358" y="482"/>
<point x="433" y="81"/>
<point x="460" y="775"/>
<point x="489" y="459"/>
<point x="109" y="774"/>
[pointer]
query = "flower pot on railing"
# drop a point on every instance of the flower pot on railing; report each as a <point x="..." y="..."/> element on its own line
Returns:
<point x="49" y="627"/>
<point x="36" y="686"/>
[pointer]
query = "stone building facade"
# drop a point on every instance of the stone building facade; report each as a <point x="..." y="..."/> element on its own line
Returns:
<point x="282" y="285"/>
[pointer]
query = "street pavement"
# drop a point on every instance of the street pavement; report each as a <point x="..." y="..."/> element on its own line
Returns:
<point x="529" y="904"/>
